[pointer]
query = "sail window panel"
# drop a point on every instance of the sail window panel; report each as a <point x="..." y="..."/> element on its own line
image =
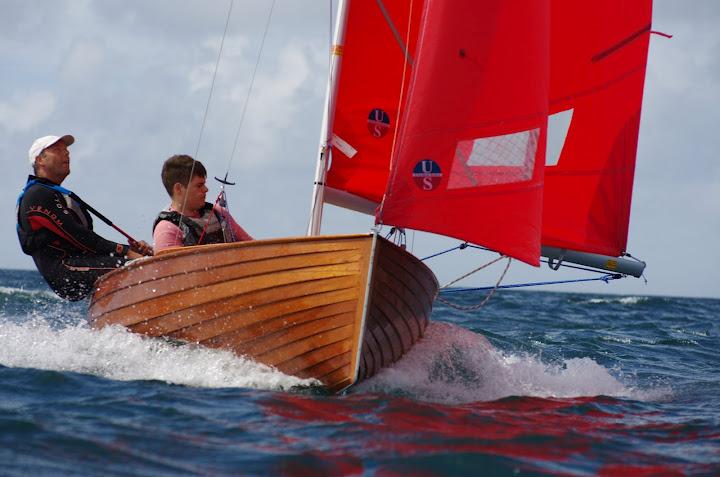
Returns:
<point x="558" y="126"/>
<point x="485" y="161"/>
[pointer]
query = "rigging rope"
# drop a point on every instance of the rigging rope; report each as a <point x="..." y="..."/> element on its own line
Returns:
<point x="465" y="245"/>
<point x="459" y="247"/>
<point x="605" y="278"/>
<point x="478" y="269"/>
<point x="207" y="108"/>
<point x="221" y="196"/>
<point x="212" y="84"/>
<point x="252" y="83"/>
<point x="486" y="299"/>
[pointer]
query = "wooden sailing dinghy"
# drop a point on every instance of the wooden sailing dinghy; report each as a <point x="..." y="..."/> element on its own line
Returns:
<point x="334" y="308"/>
<point x="440" y="122"/>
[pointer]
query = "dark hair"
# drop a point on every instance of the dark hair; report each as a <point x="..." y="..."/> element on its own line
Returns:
<point x="177" y="169"/>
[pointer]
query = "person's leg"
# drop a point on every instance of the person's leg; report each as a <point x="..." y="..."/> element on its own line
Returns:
<point x="77" y="275"/>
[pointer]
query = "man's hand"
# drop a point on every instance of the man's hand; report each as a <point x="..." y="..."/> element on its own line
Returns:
<point x="142" y="247"/>
<point x="133" y="255"/>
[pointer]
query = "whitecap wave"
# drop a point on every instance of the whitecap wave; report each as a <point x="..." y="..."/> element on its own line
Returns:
<point x="453" y="365"/>
<point x="115" y="353"/>
<point x="623" y="300"/>
<point x="29" y="293"/>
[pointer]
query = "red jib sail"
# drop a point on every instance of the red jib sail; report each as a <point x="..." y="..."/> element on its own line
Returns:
<point x="377" y="56"/>
<point x="471" y="148"/>
<point x="598" y="54"/>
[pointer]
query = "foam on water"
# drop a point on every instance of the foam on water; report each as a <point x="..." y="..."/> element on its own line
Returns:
<point x="453" y="365"/>
<point x="21" y="292"/>
<point x="115" y="353"/>
<point x="623" y="300"/>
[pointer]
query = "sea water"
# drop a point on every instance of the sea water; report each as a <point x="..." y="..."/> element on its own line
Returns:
<point x="534" y="383"/>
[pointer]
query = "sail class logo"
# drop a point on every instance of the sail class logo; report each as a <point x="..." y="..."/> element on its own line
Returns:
<point x="427" y="174"/>
<point x="378" y="122"/>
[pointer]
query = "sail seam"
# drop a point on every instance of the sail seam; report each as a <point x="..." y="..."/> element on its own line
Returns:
<point x="403" y="45"/>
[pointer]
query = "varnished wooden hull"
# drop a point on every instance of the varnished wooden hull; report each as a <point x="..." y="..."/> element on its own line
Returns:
<point x="334" y="308"/>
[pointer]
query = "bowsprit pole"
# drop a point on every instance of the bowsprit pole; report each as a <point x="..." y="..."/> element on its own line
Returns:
<point x="100" y="216"/>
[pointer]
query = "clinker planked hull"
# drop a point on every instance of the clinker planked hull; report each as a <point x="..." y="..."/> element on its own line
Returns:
<point x="334" y="308"/>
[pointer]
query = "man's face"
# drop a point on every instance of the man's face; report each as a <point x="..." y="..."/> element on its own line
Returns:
<point x="195" y="191"/>
<point x="54" y="162"/>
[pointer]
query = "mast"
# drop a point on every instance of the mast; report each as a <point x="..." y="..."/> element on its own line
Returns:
<point x="325" y="148"/>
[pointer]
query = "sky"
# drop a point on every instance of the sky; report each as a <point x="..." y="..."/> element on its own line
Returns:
<point x="131" y="80"/>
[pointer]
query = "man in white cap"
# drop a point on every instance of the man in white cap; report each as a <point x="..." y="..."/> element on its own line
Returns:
<point x="56" y="229"/>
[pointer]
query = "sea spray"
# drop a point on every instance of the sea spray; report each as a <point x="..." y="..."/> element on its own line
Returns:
<point x="115" y="353"/>
<point x="453" y="365"/>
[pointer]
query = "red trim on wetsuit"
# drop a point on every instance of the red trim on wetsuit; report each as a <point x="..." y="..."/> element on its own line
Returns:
<point x="54" y="225"/>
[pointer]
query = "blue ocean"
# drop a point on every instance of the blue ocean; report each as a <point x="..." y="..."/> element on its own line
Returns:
<point x="534" y="383"/>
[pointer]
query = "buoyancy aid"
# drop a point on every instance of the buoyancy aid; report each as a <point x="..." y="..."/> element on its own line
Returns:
<point x="216" y="231"/>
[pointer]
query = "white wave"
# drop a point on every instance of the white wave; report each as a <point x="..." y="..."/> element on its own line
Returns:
<point x="684" y="331"/>
<point x="29" y="293"/>
<point x="615" y="339"/>
<point x="453" y="365"/>
<point x="115" y="353"/>
<point x="623" y="300"/>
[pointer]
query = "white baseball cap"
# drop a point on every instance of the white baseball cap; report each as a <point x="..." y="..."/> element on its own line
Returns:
<point x="42" y="143"/>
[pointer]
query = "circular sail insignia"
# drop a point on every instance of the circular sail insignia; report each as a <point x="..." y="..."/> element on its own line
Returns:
<point x="427" y="174"/>
<point x="378" y="123"/>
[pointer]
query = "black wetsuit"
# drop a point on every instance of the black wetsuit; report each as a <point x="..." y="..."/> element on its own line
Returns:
<point x="57" y="232"/>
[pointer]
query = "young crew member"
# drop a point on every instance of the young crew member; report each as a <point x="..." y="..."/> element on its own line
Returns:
<point x="189" y="220"/>
<point x="57" y="231"/>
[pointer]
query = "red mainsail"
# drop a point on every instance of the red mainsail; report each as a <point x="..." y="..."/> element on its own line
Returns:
<point x="380" y="40"/>
<point x="598" y="54"/>
<point x="471" y="148"/>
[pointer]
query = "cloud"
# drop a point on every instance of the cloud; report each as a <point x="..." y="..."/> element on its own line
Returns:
<point x="25" y="111"/>
<point x="83" y="61"/>
<point x="282" y="87"/>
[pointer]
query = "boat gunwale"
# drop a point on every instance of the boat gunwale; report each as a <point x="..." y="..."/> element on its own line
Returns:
<point x="182" y="251"/>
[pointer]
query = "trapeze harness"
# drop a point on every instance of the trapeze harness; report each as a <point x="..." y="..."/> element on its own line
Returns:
<point x="57" y="232"/>
<point x="193" y="228"/>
